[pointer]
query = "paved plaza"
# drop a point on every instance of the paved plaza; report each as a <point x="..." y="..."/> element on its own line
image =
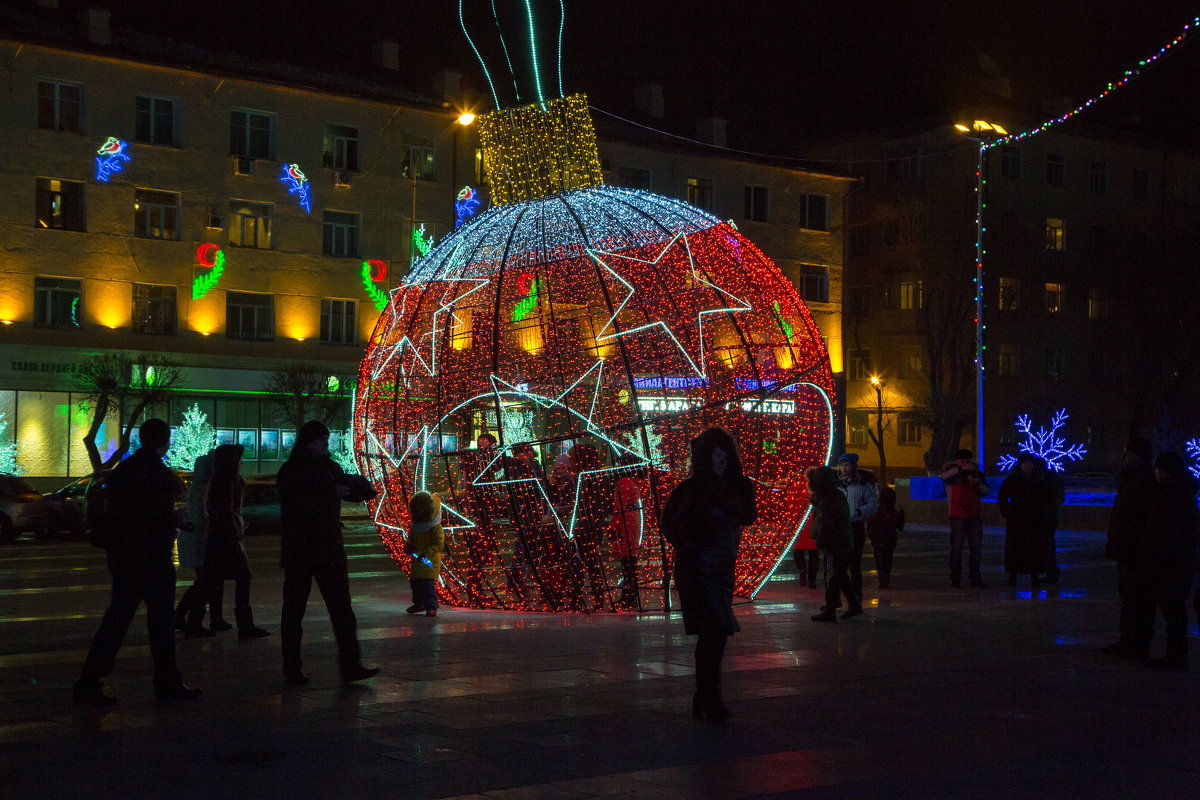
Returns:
<point x="934" y="693"/>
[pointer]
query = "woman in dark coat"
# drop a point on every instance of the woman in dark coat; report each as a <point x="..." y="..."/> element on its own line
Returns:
<point x="1024" y="501"/>
<point x="835" y="539"/>
<point x="311" y="488"/>
<point x="702" y="520"/>
<point x="224" y="553"/>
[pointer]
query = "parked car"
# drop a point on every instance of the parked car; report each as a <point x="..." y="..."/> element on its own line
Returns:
<point x="66" y="508"/>
<point x="21" y="508"/>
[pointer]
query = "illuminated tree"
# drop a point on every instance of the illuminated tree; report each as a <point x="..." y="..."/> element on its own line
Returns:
<point x="124" y="386"/>
<point x="192" y="439"/>
<point x="8" y="450"/>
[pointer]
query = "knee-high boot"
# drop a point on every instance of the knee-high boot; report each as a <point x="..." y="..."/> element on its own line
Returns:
<point x="245" y="622"/>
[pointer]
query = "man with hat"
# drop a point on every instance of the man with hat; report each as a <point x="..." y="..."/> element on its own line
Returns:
<point x="862" y="493"/>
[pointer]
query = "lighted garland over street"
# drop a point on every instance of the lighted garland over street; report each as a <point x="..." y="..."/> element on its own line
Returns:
<point x="572" y="316"/>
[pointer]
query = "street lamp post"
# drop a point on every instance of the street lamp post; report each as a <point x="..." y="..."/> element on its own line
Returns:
<point x="464" y="119"/>
<point x="985" y="134"/>
<point x="878" y="434"/>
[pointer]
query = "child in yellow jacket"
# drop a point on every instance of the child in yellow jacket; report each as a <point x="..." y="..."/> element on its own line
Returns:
<point x="425" y="544"/>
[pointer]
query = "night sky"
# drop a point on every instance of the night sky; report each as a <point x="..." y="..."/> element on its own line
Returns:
<point x="781" y="72"/>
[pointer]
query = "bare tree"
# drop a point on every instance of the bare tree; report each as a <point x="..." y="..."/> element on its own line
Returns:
<point x="299" y="392"/>
<point x="122" y="385"/>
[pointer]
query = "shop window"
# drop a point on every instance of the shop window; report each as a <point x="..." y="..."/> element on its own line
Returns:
<point x="60" y="205"/>
<point x="338" y="321"/>
<point x="57" y="303"/>
<point x="340" y="234"/>
<point x="156" y="121"/>
<point x="60" y="106"/>
<point x="155" y="214"/>
<point x="250" y="224"/>
<point x="700" y="193"/>
<point x="252" y="134"/>
<point x="154" y="309"/>
<point x="249" y="316"/>
<point x="340" y="147"/>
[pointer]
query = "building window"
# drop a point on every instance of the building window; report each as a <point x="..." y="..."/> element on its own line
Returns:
<point x="700" y="192"/>
<point x="859" y="365"/>
<point x="814" y="212"/>
<point x="60" y="106"/>
<point x="891" y="233"/>
<point x="155" y="214"/>
<point x="1007" y="361"/>
<point x="860" y="240"/>
<point x="481" y="173"/>
<point x="250" y="224"/>
<point x="1054" y="364"/>
<point x="57" y="303"/>
<point x="814" y="284"/>
<point x="155" y="121"/>
<point x="1099" y="181"/>
<point x="340" y="149"/>
<point x="913" y="365"/>
<point x="1056" y="238"/>
<point x="911" y="295"/>
<point x="337" y="321"/>
<point x="419" y="160"/>
<point x="1056" y="167"/>
<point x="340" y="234"/>
<point x="60" y="205"/>
<point x="1010" y="294"/>
<point x="1054" y="298"/>
<point x="249" y="316"/>
<point x="1097" y="307"/>
<point x="857" y="423"/>
<point x="757" y="203"/>
<point x="153" y="309"/>
<point x="633" y="178"/>
<point x="252" y="134"/>
<point x="905" y="164"/>
<point x="908" y="429"/>
<point x="860" y="302"/>
<point x="1010" y="161"/>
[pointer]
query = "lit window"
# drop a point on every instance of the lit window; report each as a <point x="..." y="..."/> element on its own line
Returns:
<point x="1056" y="166"/>
<point x="418" y="160"/>
<point x="60" y="106"/>
<point x="1010" y="294"/>
<point x="908" y="430"/>
<point x="758" y="203"/>
<point x="1097" y="307"/>
<point x="337" y="321"/>
<point x="340" y="149"/>
<point x="250" y="224"/>
<point x="911" y="295"/>
<point x="60" y="205"/>
<point x="1056" y="238"/>
<point x="1054" y="298"/>
<point x="700" y="192"/>
<point x="155" y="121"/>
<point x="155" y="214"/>
<point x="340" y="234"/>
<point x="249" y="316"/>
<point x="856" y="427"/>
<point x="154" y="309"/>
<point x="57" y="303"/>
<point x="814" y="212"/>
<point x="252" y="134"/>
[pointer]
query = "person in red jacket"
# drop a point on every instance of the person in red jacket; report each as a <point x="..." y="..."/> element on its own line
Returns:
<point x="965" y="485"/>
<point x="626" y="533"/>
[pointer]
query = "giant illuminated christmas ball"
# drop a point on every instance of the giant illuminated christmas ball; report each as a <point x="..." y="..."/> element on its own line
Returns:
<point x="605" y="328"/>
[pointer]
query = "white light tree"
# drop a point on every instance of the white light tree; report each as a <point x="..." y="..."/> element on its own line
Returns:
<point x="343" y="454"/>
<point x="8" y="450"/>
<point x="192" y="439"/>
<point x="1045" y="444"/>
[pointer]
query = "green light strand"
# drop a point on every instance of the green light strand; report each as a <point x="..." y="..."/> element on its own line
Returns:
<point x="377" y="295"/>
<point x="203" y="284"/>
<point x="423" y="245"/>
<point x="526" y="307"/>
<point x="787" y="329"/>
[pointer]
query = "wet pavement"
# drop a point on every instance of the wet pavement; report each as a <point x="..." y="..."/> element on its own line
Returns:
<point x="934" y="693"/>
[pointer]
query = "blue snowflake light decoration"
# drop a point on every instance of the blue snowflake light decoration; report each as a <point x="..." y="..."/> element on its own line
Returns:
<point x="1045" y="444"/>
<point x="1193" y="451"/>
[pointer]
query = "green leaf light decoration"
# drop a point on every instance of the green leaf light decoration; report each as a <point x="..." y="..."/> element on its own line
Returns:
<point x="203" y="284"/>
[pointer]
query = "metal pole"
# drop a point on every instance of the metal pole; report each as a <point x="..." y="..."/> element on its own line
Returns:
<point x="979" y="347"/>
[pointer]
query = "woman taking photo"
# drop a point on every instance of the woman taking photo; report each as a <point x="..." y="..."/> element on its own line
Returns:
<point x="702" y="520"/>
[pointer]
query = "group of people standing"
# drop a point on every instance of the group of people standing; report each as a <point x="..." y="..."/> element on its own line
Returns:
<point x="1030" y="498"/>
<point x="138" y="524"/>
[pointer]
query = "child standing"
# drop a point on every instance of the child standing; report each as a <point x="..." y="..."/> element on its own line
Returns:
<point x="883" y="529"/>
<point x="425" y="544"/>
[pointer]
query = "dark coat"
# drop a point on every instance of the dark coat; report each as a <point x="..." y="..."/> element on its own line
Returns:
<point x="140" y="517"/>
<point x="702" y="520"/>
<point x="1172" y="527"/>
<point x="831" y="523"/>
<point x="223" y="551"/>
<point x="1130" y="512"/>
<point x="1025" y="502"/>
<point x="884" y="526"/>
<point x="310" y="511"/>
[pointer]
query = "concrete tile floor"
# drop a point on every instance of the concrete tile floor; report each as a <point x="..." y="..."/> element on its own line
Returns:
<point x="933" y="693"/>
